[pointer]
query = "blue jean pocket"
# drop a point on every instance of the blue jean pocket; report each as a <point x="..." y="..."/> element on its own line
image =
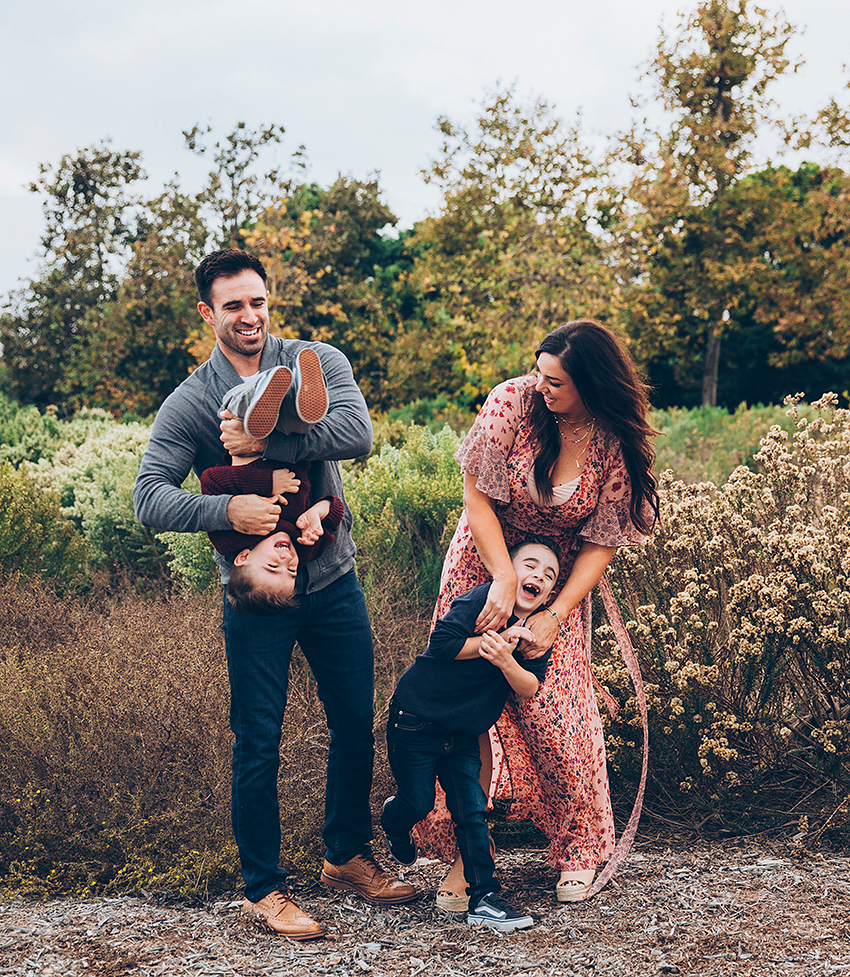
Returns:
<point x="407" y="721"/>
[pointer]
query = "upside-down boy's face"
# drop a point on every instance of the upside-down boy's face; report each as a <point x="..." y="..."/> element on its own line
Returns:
<point x="272" y="563"/>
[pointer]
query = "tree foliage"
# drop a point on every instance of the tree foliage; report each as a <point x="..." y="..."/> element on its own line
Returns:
<point x="235" y="192"/>
<point x="510" y="255"/>
<point x="88" y="213"/>
<point x="728" y="275"/>
<point x="684" y="242"/>
<point x="137" y="349"/>
<point x="322" y="249"/>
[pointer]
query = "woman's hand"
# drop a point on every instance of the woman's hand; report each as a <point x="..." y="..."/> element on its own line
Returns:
<point x="499" y="606"/>
<point x="545" y="630"/>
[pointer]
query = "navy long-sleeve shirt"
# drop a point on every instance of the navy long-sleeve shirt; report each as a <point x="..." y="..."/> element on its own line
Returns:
<point x="466" y="695"/>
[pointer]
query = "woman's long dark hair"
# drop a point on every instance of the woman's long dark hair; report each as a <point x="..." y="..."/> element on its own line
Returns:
<point x="611" y="389"/>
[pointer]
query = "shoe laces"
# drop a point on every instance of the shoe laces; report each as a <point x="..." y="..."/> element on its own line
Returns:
<point x="278" y="900"/>
<point x="370" y="862"/>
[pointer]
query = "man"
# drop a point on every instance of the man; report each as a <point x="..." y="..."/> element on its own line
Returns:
<point x="330" y="624"/>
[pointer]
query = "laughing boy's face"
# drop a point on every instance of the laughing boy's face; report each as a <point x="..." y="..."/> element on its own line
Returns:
<point x="536" y="570"/>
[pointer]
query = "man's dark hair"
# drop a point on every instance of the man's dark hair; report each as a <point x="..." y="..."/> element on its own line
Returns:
<point x="534" y="540"/>
<point x="247" y="598"/>
<point x="227" y="263"/>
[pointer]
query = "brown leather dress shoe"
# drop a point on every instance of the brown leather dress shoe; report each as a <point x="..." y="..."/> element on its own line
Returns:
<point x="279" y="913"/>
<point x="364" y="875"/>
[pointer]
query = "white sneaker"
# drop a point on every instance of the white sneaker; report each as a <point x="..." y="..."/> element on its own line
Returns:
<point x="491" y="910"/>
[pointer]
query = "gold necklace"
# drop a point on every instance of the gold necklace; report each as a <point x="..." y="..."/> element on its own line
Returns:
<point x="575" y="440"/>
<point x="584" y="437"/>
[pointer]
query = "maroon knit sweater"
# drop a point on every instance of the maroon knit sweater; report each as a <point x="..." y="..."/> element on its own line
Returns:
<point x="256" y="479"/>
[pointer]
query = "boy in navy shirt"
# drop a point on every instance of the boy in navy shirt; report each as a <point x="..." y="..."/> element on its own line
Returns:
<point x="452" y="693"/>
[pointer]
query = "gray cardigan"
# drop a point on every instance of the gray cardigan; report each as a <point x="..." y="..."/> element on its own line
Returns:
<point x="185" y="435"/>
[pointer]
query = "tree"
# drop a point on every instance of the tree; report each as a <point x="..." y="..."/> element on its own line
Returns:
<point x="88" y="210"/>
<point x="323" y="248"/>
<point x="235" y="192"/>
<point x="510" y="255"/>
<point x="136" y="348"/>
<point x="800" y="272"/>
<point x="683" y="240"/>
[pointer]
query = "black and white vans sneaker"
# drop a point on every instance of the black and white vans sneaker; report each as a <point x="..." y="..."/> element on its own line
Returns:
<point x="491" y="910"/>
<point x="402" y="849"/>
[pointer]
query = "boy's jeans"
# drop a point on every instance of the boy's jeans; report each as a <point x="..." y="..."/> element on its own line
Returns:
<point x="332" y="629"/>
<point x="419" y="753"/>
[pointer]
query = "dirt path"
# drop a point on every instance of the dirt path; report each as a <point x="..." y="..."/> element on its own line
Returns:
<point x="688" y="908"/>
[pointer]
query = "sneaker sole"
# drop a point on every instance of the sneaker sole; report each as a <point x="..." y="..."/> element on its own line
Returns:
<point x="261" y="419"/>
<point x="502" y="925"/>
<point x="374" y="900"/>
<point x="401" y="861"/>
<point x="311" y="403"/>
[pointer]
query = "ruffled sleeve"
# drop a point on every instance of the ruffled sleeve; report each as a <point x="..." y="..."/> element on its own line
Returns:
<point x="610" y="523"/>
<point x="485" y="449"/>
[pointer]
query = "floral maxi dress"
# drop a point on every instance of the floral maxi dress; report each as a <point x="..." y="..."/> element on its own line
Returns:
<point x="548" y="751"/>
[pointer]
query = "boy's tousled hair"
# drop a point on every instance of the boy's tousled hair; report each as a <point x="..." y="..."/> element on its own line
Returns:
<point x="536" y="540"/>
<point x="227" y="263"/>
<point x="244" y="596"/>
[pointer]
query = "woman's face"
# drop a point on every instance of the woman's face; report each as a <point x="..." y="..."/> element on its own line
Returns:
<point x="558" y="390"/>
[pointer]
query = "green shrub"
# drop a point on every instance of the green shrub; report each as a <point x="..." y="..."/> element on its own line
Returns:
<point x="35" y="538"/>
<point x="434" y="414"/>
<point x="26" y="434"/>
<point x="403" y="501"/>
<point x="706" y="444"/>
<point x="190" y="560"/>
<point x="740" y="613"/>
<point x="93" y="473"/>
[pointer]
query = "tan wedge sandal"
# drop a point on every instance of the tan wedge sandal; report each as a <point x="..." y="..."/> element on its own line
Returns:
<point x="574" y="886"/>
<point x="452" y="902"/>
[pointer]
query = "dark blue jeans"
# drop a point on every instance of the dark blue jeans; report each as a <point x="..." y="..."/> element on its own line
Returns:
<point x="332" y="629"/>
<point x="420" y="753"/>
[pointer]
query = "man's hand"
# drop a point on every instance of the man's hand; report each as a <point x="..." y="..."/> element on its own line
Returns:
<point x="235" y="440"/>
<point x="310" y="522"/>
<point x="283" y="480"/>
<point x="253" y="514"/>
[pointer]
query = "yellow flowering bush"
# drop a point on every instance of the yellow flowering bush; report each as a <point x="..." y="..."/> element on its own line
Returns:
<point x="740" y="613"/>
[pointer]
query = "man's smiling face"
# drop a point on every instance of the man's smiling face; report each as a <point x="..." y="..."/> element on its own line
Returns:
<point x="239" y="316"/>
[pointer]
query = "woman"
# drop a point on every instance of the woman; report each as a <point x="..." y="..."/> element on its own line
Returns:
<point x="566" y="453"/>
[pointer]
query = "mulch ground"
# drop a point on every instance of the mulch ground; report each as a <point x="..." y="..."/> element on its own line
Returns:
<point x="680" y="907"/>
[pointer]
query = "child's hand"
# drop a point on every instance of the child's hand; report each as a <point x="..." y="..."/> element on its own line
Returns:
<point x="284" y="481"/>
<point x="499" y="648"/>
<point x="310" y="522"/>
<point x="516" y="633"/>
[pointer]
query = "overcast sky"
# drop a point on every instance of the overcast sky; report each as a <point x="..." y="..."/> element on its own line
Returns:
<point x="359" y="83"/>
